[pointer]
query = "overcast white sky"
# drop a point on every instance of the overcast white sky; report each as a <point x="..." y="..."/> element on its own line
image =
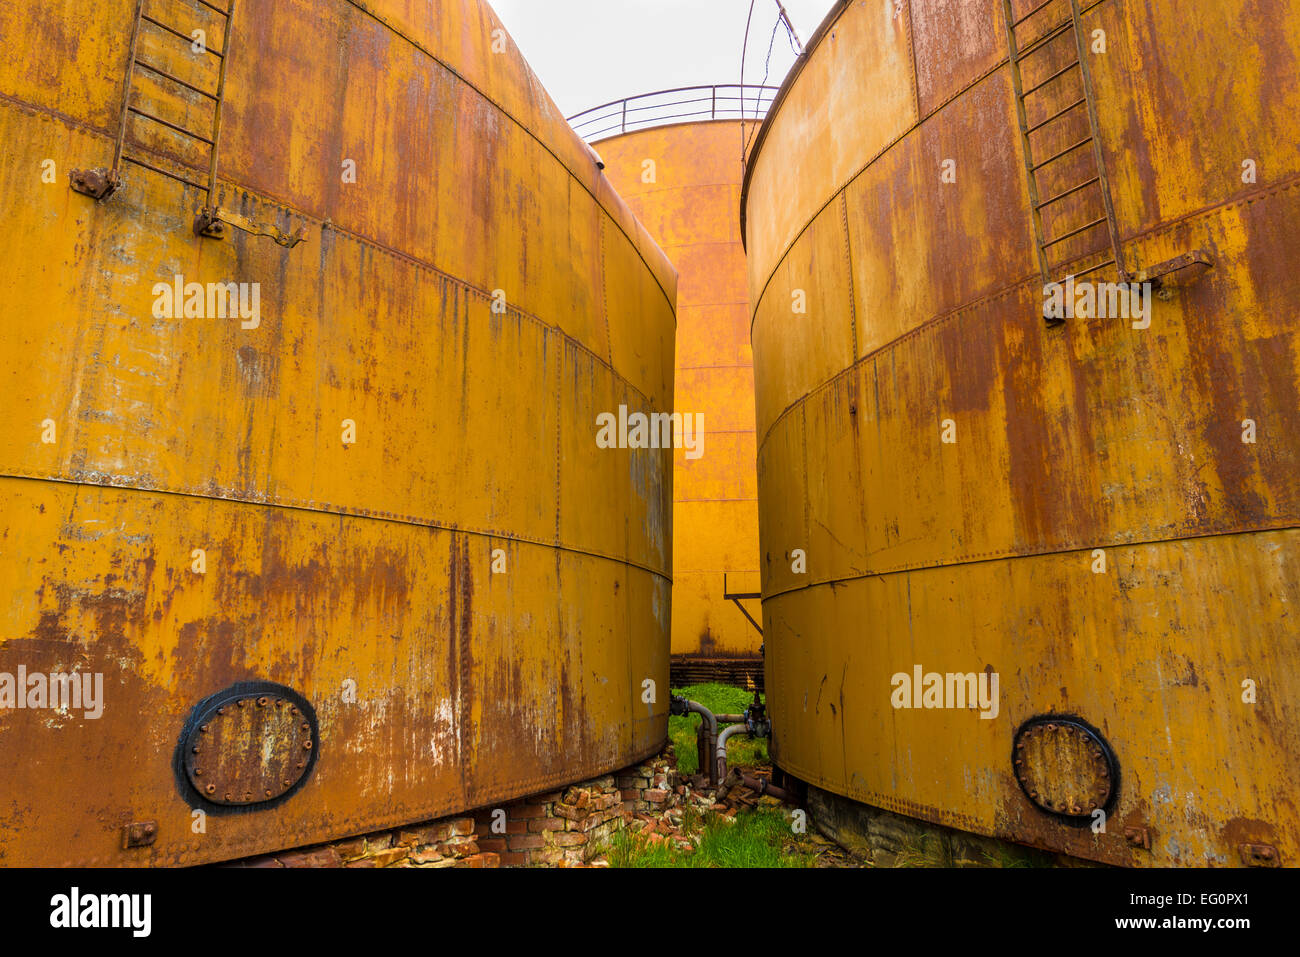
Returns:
<point x="589" y="52"/>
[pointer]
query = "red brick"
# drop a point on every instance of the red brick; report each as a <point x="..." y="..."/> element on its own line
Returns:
<point x="413" y="837"/>
<point x="317" y="857"/>
<point x="595" y="821"/>
<point x="480" y="860"/>
<point x="568" y="839"/>
<point x="364" y="862"/>
<point x="571" y="813"/>
<point x="524" y="842"/>
<point x="522" y="826"/>
<point x="426" y="856"/>
<point x="629" y="794"/>
<point x="351" y="850"/>
<point x="656" y="796"/>
<point x="494" y="844"/>
<point x="462" y="826"/>
<point x="546" y="824"/>
<point x="390" y="856"/>
<point x="513" y="859"/>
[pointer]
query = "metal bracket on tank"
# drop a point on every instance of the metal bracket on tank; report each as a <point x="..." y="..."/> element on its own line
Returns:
<point x="210" y="223"/>
<point x="1179" y="271"/>
<point x="99" y="183"/>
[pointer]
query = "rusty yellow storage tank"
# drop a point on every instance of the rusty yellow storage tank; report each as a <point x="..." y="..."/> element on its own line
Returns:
<point x="332" y="547"/>
<point x="677" y="157"/>
<point x="955" y="485"/>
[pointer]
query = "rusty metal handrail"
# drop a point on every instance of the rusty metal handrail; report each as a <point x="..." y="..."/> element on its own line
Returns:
<point x="720" y="101"/>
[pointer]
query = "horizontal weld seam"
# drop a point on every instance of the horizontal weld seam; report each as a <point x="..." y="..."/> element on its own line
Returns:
<point x="997" y="555"/>
<point x="1033" y="280"/>
<point x="316" y="508"/>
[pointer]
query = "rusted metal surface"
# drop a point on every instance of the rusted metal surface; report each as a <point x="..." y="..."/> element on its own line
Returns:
<point x="683" y="182"/>
<point x="249" y="748"/>
<point x="139" y="834"/>
<point x="1112" y="527"/>
<point x="1065" y="767"/>
<point x="378" y="491"/>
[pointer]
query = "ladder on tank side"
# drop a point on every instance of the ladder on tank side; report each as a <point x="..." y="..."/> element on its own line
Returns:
<point x="1099" y="209"/>
<point x="101" y="183"/>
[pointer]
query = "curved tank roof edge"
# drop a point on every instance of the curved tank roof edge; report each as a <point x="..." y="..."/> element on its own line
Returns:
<point x="548" y="126"/>
<point x="790" y="78"/>
<point x="669" y="126"/>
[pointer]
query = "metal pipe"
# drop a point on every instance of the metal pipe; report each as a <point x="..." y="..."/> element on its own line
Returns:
<point x="709" y="728"/>
<point x="720" y="757"/>
<point x="764" y="786"/>
<point x="730" y="718"/>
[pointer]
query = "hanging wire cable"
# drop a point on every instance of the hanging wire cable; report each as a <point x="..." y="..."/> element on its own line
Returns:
<point x="792" y="36"/>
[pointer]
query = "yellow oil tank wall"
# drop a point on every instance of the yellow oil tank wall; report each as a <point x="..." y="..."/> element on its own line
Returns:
<point x="1112" y="529"/>
<point x="683" y="182"/>
<point x="472" y="595"/>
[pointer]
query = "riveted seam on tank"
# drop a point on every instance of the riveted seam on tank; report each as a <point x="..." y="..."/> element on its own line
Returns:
<point x="807" y="499"/>
<point x="318" y="508"/>
<point x="44" y="112"/>
<point x="780" y="97"/>
<point x="72" y="123"/>
<point x="911" y="64"/>
<point x="1282" y="524"/>
<point x="854" y="177"/>
<point x="932" y="323"/>
<point x="559" y="418"/>
<point x="604" y="294"/>
<point x="1205" y="212"/>
<point x="269" y="199"/>
<point x="920" y="120"/>
<point x="469" y="287"/>
<point x="848" y="265"/>
<point x="1031" y="282"/>
<point x="284" y="206"/>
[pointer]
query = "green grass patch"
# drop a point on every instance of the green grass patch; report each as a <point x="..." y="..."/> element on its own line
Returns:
<point x="756" y="838"/>
<point x="720" y="699"/>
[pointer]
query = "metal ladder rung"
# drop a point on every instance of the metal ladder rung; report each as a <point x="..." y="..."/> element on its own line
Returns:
<point x="1068" y="192"/>
<point x="170" y="125"/>
<point x="1043" y="40"/>
<point x="1045" y="3"/>
<point x="1103" y="265"/>
<point x="1074" y="232"/>
<point x="175" y="79"/>
<point x="184" y="36"/>
<point x="213" y="7"/>
<point x="1056" y="116"/>
<point x="1016" y="55"/>
<point x="1069" y="149"/>
<point x="1060" y="72"/>
<point x="167" y="173"/>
